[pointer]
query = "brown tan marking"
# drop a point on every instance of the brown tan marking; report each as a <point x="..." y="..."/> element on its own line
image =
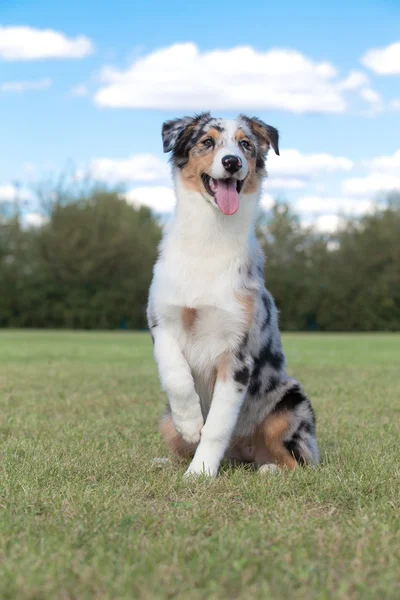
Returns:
<point x="200" y="161"/>
<point x="174" y="440"/>
<point x="247" y="303"/>
<point x="241" y="135"/>
<point x="252" y="182"/>
<point x="223" y="366"/>
<point x="259" y="131"/>
<point x="189" y="316"/>
<point x="199" y="149"/>
<point x="269" y="443"/>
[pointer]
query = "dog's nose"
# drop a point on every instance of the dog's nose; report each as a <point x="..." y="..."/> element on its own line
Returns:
<point x="231" y="163"/>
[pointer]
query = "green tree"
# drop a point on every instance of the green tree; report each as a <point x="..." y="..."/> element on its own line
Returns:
<point x="89" y="266"/>
<point x="295" y="262"/>
<point x="97" y="255"/>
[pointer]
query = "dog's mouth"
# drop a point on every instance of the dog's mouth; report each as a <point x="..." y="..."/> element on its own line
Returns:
<point x="224" y="191"/>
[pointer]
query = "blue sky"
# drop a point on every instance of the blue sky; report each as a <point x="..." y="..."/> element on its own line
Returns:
<point x="327" y="75"/>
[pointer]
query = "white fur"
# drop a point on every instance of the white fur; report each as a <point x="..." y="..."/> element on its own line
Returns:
<point x="228" y="145"/>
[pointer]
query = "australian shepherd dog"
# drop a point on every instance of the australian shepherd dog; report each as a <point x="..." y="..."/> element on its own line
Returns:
<point x="214" y="325"/>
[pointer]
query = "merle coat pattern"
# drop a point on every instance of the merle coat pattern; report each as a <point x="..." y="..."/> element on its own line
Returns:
<point x="213" y="323"/>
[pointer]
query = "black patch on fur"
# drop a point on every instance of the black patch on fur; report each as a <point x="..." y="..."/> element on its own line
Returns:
<point x="268" y="309"/>
<point x="272" y="384"/>
<point x="180" y="135"/>
<point x="260" y="163"/>
<point x="308" y="426"/>
<point x="265" y="323"/>
<point x="267" y="357"/>
<point x="240" y="352"/>
<point x="292" y="446"/>
<point x="273" y="136"/>
<point x="255" y="386"/>
<point x="242" y="376"/>
<point x="245" y="340"/>
<point x="276" y="359"/>
<point x="291" y="399"/>
<point x="266" y="300"/>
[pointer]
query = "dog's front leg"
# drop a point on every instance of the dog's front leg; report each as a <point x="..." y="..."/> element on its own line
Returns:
<point x="177" y="381"/>
<point x="229" y="393"/>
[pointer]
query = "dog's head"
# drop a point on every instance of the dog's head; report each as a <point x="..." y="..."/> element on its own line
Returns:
<point x="220" y="159"/>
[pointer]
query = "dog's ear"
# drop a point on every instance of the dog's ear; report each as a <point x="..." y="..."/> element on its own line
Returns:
<point x="266" y="134"/>
<point x="172" y="130"/>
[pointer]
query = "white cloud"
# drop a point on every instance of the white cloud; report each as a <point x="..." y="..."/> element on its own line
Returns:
<point x="383" y="176"/>
<point x="25" y="86"/>
<point x="357" y="81"/>
<point x="80" y="90"/>
<point x="284" y="184"/>
<point x="138" y="168"/>
<point x="354" y="81"/>
<point x="324" y="206"/>
<point x="383" y="61"/>
<point x="395" y="104"/>
<point x="161" y="199"/>
<point x="10" y="192"/>
<point x="180" y="77"/>
<point x="370" y="96"/>
<point x="371" y="184"/>
<point x="292" y="163"/>
<point x="374" y="100"/>
<point x="385" y="164"/>
<point x="27" y="43"/>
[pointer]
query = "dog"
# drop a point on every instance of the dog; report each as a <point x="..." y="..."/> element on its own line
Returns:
<point x="214" y="325"/>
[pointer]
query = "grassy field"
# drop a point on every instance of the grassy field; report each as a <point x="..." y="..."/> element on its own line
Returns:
<point x="84" y="514"/>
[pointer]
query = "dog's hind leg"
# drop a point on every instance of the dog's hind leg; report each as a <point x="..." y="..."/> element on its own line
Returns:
<point x="286" y="437"/>
<point x="270" y="446"/>
<point x="175" y="442"/>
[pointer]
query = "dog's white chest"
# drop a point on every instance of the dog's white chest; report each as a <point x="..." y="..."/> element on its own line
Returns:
<point x="212" y="332"/>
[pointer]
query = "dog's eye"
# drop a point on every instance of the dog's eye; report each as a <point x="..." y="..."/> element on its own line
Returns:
<point x="208" y="142"/>
<point x="245" y="145"/>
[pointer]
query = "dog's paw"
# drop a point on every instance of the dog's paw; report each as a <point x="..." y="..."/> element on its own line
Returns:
<point x="190" y="429"/>
<point x="199" y="468"/>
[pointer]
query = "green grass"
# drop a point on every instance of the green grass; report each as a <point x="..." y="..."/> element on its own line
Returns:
<point x="84" y="514"/>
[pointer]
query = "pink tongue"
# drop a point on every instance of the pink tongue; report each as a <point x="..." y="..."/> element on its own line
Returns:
<point x="226" y="195"/>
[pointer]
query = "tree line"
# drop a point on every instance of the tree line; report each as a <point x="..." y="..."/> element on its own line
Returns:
<point x="89" y="266"/>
